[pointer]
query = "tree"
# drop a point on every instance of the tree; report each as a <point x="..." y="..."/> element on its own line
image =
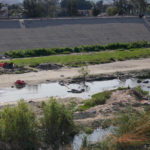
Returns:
<point x="72" y="8"/>
<point x="57" y="124"/>
<point x="148" y="10"/>
<point x="111" y="11"/>
<point x="80" y="4"/>
<point x="130" y="6"/>
<point x="83" y="4"/>
<point x="1" y="11"/>
<point x="139" y="6"/>
<point x="50" y="7"/>
<point x="18" y="127"/>
<point x="33" y="8"/>
<point x="95" y="11"/>
<point x="15" y="10"/>
<point x="99" y="5"/>
<point x="122" y="6"/>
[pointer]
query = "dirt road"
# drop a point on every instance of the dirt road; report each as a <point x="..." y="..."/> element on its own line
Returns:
<point x="7" y="80"/>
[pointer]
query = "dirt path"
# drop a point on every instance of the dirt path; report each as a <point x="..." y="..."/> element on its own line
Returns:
<point x="53" y="75"/>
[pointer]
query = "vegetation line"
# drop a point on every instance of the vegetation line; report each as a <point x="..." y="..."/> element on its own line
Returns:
<point x="84" y="59"/>
<point x="67" y="50"/>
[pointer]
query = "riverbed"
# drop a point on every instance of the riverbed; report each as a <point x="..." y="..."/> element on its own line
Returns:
<point x="54" y="89"/>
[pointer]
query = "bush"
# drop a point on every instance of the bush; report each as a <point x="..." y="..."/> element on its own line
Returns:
<point x="18" y="127"/>
<point x="57" y="124"/>
<point x="88" y="130"/>
<point x="139" y="92"/>
<point x="132" y="130"/>
<point x="111" y="11"/>
<point x="97" y="99"/>
<point x="86" y="48"/>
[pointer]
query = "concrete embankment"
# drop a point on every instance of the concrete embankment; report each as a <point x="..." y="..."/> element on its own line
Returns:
<point x="70" y="32"/>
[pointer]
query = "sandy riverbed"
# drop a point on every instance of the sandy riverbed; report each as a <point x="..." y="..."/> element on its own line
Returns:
<point x="7" y="80"/>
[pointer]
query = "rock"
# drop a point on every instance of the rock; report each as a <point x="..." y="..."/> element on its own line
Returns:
<point x="83" y="115"/>
<point x="139" y="81"/>
<point x="62" y="83"/>
<point x="94" y="112"/>
<point x="136" y="104"/>
<point x="77" y="91"/>
<point x="31" y="102"/>
<point x="48" y="66"/>
<point x="62" y="76"/>
<point x="146" y="82"/>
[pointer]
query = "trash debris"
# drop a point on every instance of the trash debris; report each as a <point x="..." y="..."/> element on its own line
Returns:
<point x="20" y="84"/>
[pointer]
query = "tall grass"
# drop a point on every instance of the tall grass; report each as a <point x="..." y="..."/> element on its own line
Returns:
<point x="83" y="59"/>
<point x="67" y="50"/>
<point x="133" y="130"/>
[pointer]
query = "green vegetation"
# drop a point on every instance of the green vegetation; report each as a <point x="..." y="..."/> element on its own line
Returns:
<point x="57" y="124"/>
<point x="122" y="88"/>
<point x="88" y="130"/>
<point x="83" y="59"/>
<point x="21" y="129"/>
<point x="86" y="48"/>
<point x="18" y="127"/>
<point x="97" y="99"/>
<point x="131" y="132"/>
<point x="140" y="93"/>
<point x="111" y="11"/>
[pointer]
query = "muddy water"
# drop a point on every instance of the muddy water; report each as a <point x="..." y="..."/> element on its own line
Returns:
<point x="54" y="89"/>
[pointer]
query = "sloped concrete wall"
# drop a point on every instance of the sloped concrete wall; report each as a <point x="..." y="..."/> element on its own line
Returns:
<point x="16" y="34"/>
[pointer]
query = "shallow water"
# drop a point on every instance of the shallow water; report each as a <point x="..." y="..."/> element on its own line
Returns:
<point x="54" y="89"/>
<point x="97" y="136"/>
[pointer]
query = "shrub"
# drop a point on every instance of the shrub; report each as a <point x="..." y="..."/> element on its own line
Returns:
<point x="85" y="48"/>
<point x="97" y="99"/>
<point x="57" y="124"/>
<point x="111" y="11"/>
<point x="18" y="127"/>
<point x="116" y="46"/>
<point x="88" y="130"/>
<point x="133" y="130"/>
<point x="139" y="92"/>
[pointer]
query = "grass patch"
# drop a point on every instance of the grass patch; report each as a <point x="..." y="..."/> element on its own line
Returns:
<point x="67" y="50"/>
<point x="97" y="99"/>
<point x="88" y="130"/>
<point x="83" y="59"/>
<point x="140" y="93"/>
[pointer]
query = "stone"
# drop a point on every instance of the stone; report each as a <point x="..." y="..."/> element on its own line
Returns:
<point x="146" y="82"/>
<point x="139" y="81"/>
